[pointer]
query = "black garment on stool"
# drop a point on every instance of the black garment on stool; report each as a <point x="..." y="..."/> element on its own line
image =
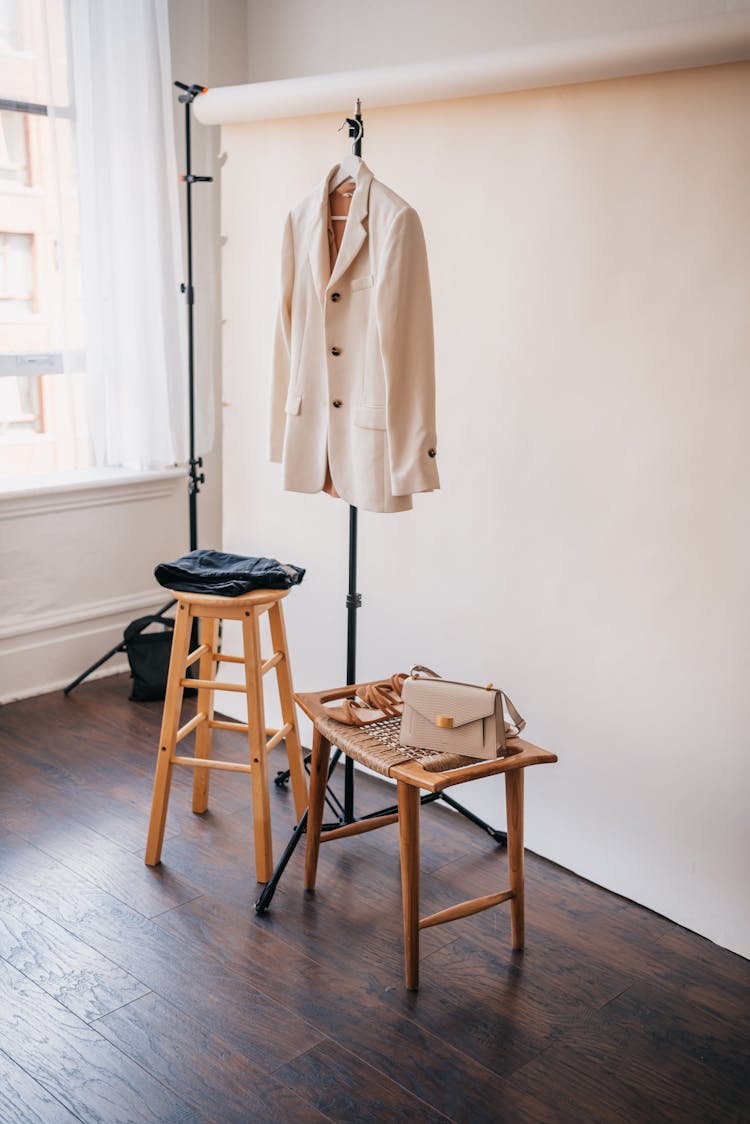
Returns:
<point x="225" y="575"/>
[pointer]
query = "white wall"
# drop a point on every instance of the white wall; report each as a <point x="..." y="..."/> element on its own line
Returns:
<point x="76" y="566"/>
<point x="590" y="258"/>
<point x="289" y="38"/>
<point x="76" y="561"/>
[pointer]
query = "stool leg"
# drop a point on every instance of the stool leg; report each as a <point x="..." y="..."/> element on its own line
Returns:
<point x="408" y="824"/>
<point x="288" y="709"/>
<point x="209" y="633"/>
<point x="168" y="738"/>
<point x="321" y="752"/>
<point x="256" y="734"/>
<point x="514" y="810"/>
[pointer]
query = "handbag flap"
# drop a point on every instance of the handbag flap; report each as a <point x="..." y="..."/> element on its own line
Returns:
<point x="433" y="698"/>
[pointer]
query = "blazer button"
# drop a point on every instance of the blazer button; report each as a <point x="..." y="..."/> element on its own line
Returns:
<point x="337" y="402"/>
<point x="335" y="351"/>
<point x="431" y="453"/>
<point x="335" y="296"/>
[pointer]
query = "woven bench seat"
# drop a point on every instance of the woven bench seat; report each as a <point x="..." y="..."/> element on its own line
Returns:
<point x="378" y="747"/>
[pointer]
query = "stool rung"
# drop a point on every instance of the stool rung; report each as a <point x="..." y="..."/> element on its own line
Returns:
<point x="196" y="655"/>
<point x="219" y="657"/>
<point x="465" y="909"/>
<point x="279" y="736"/>
<point x="190" y="726"/>
<point x="219" y="724"/>
<point x="266" y="666"/>
<point x="237" y="727"/>
<point x="207" y="763"/>
<point x="358" y="827"/>
<point x="213" y="685"/>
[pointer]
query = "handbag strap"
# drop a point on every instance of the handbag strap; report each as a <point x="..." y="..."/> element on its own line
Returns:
<point x="518" y="721"/>
<point x="425" y="670"/>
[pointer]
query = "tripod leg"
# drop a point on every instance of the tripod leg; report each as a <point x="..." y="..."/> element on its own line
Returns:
<point x="121" y="647"/>
<point x="268" y="891"/>
<point x="498" y="835"/>
<point x="85" y="674"/>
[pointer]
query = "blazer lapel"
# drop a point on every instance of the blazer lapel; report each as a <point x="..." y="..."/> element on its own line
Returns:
<point x="355" y="230"/>
<point x="320" y="262"/>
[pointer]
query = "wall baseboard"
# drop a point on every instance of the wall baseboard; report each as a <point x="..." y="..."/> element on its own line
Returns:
<point x="47" y="654"/>
<point x="142" y="602"/>
<point x="116" y="666"/>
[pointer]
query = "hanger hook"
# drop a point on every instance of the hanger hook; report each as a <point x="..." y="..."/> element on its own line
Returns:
<point x="356" y="129"/>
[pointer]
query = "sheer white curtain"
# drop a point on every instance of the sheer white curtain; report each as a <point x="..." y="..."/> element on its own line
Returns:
<point x="130" y="233"/>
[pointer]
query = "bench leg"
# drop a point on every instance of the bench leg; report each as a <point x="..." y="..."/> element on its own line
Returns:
<point x="408" y="822"/>
<point x="514" y="809"/>
<point x="321" y="752"/>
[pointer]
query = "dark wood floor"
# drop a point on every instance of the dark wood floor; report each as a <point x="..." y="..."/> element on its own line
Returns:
<point x="132" y="994"/>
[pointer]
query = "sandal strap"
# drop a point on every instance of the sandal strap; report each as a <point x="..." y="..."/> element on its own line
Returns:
<point x="377" y="699"/>
<point x="351" y="712"/>
<point x="374" y="702"/>
<point x="386" y="695"/>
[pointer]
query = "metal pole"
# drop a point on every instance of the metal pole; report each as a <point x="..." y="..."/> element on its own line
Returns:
<point x="353" y="599"/>
<point x="195" y="479"/>
<point x="190" y="297"/>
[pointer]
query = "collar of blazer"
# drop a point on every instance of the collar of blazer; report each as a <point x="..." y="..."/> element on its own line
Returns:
<point x="355" y="231"/>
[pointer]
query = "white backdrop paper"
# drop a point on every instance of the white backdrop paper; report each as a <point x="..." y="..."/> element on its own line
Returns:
<point x="590" y="256"/>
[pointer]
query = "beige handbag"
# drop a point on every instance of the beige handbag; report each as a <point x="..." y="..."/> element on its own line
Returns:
<point x="450" y="717"/>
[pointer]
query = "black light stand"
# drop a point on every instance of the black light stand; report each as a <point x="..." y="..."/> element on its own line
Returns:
<point x="190" y="93"/>
<point x="353" y="599"/>
<point x="195" y="479"/>
<point x="345" y="814"/>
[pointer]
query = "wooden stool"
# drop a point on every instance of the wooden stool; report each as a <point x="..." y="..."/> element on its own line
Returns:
<point x="378" y="747"/>
<point x="247" y="608"/>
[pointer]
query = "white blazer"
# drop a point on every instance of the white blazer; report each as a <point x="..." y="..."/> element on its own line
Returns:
<point x="353" y="363"/>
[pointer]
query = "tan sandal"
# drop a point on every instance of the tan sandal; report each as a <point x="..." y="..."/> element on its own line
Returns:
<point x="374" y="703"/>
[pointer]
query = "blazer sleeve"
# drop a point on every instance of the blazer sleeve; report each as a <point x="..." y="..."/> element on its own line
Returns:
<point x="404" y="312"/>
<point x="281" y="366"/>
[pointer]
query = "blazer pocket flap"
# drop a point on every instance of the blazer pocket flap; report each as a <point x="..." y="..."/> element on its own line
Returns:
<point x="370" y="417"/>
<point x="433" y="699"/>
<point x="293" y="403"/>
<point x="362" y="283"/>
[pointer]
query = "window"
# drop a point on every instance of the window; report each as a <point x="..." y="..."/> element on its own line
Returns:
<point x="42" y="404"/>
<point x="16" y="276"/>
<point x="20" y="405"/>
<point x="14" y="148"/>
<point x="11" y="39"/>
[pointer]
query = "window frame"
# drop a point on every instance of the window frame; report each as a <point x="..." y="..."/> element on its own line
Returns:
<point x="20" y="363"/>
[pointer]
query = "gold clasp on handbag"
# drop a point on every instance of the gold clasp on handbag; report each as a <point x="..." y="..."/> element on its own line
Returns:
<point x="444" y="721"/>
